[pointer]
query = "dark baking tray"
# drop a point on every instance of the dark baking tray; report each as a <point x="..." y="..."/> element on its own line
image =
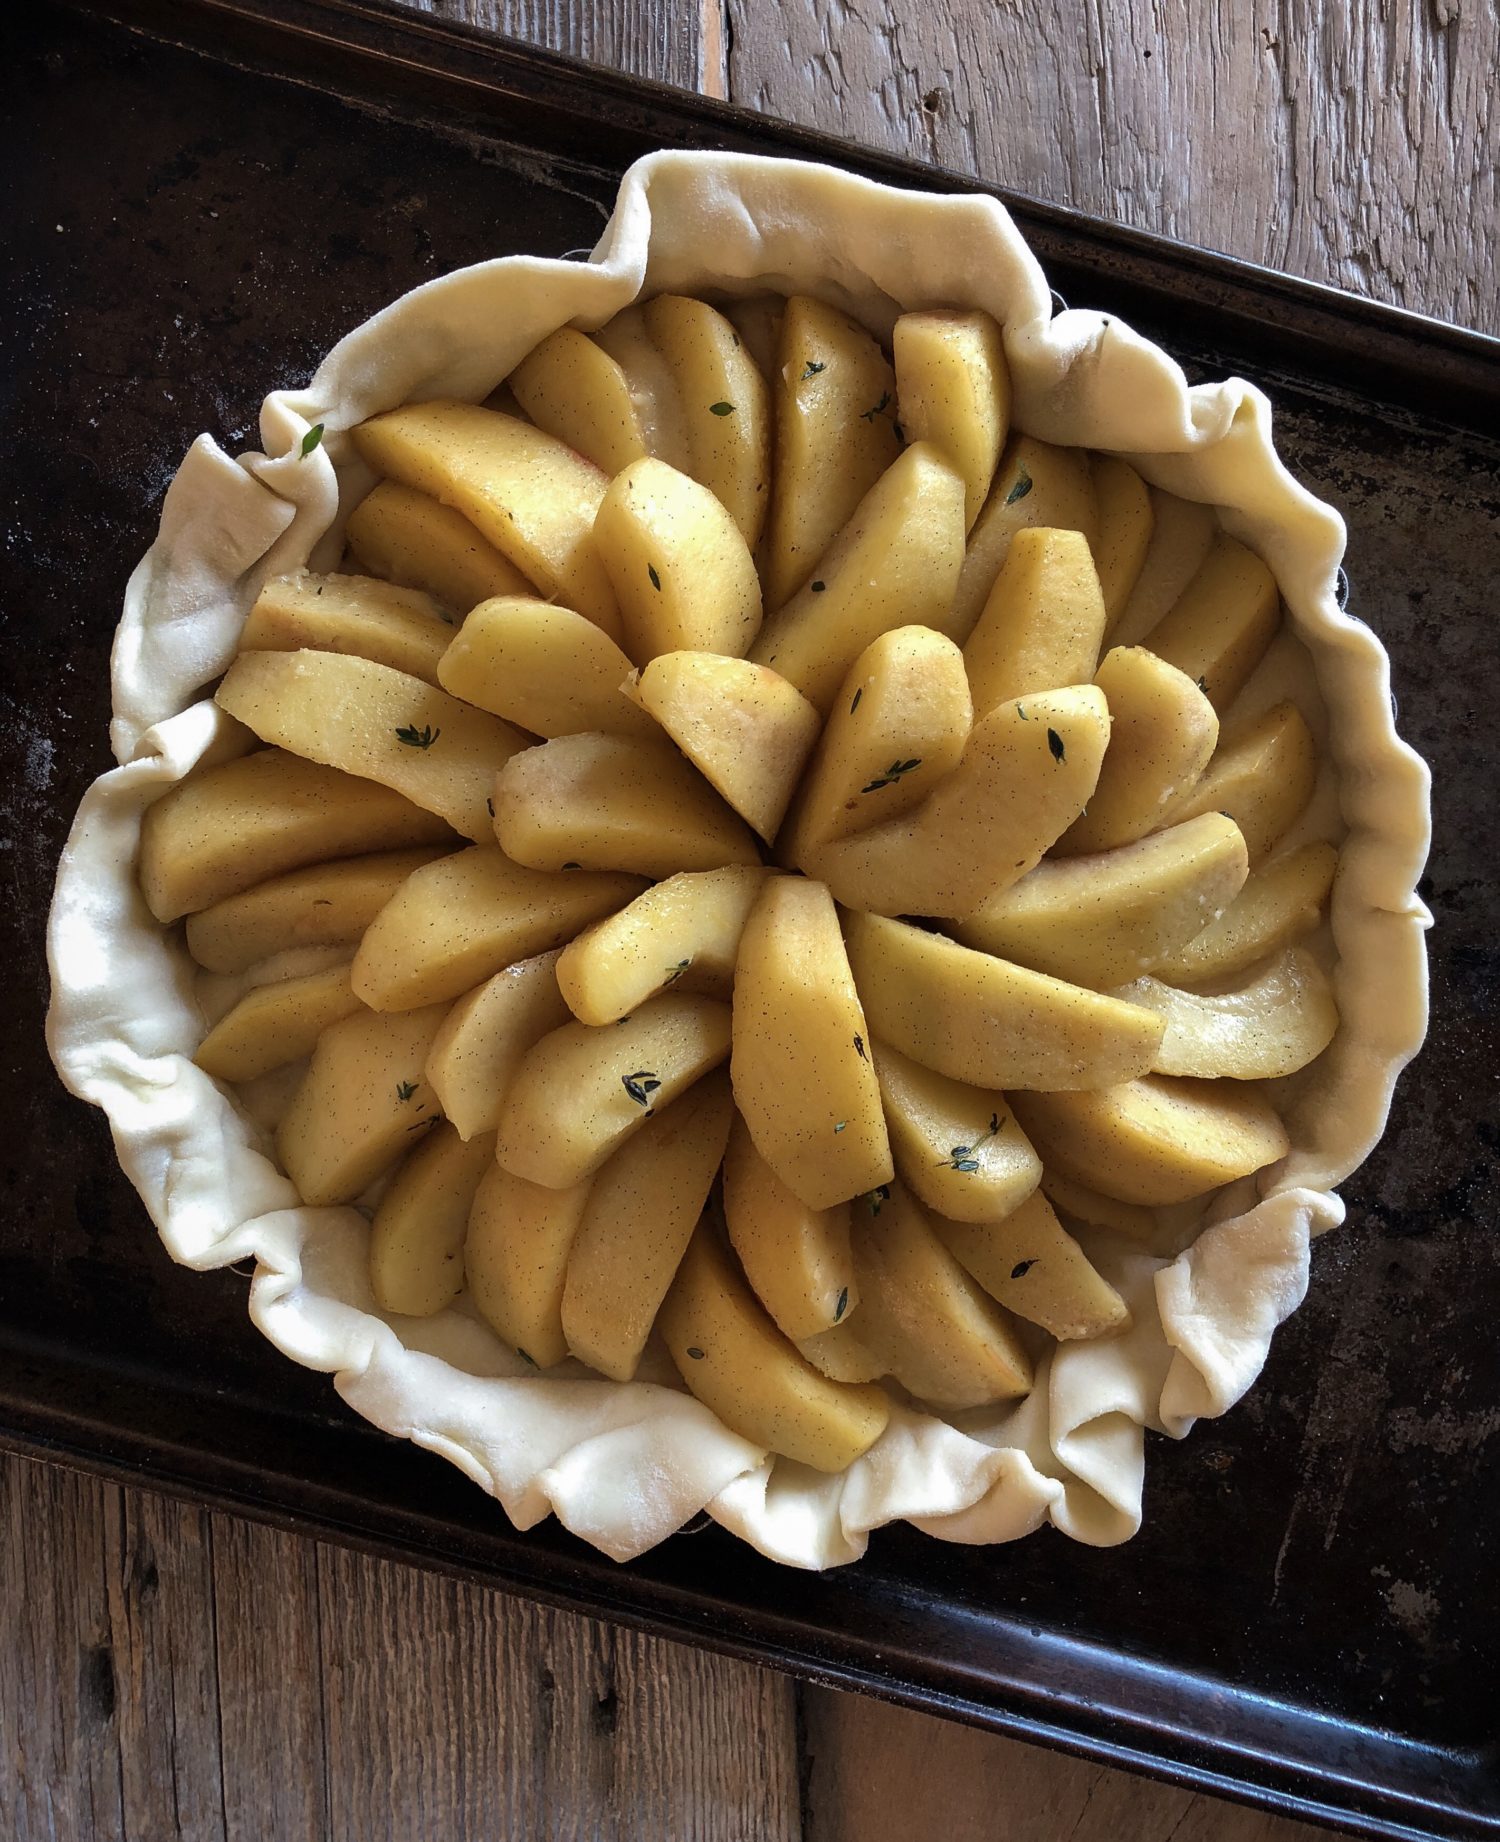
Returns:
<point x="202" y="199"/>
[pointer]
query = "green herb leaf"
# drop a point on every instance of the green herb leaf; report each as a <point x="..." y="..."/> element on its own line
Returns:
<point x="893" y="773"/>
<point x="310" y="441"/>
<point x="1203" y="686"/>
<point x="1022" y="486"/>
<point x="640" y="1085"/>
<point x="572" y="866"/>
<point x="721" y="409"/>
<point x="655" y="579"/>
<point x="1055" y="743"/>
<point x="695" y="1352"/>
<point x="812" y="369"/>
<point x="818" y="587"/>
<point x="674" y="973"/>
<point x="417" y="738"/>
<point x="859" y="1048"/>
<point x="1021" y="1268"/>
<point x="876" y="409"/>
<point x="878" y="1197"/>
<point x="405" y="1090"/>
<point x="530" y="1361"/>
<point x="840" y="1126"/>
<point x="1021" y="712"/>
<point x="842" y="1306"/>
<point x="962" y="1158"/>
<point x="489" y="806"/>
<point x="857" y="695"/>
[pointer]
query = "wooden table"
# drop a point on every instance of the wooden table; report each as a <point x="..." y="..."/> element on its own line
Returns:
<point x="165" y="1672"/>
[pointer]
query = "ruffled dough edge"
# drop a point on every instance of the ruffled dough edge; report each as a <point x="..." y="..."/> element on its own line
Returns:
<point x="623" y="1466"/>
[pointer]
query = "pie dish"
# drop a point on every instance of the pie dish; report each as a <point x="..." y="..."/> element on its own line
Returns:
<point x="623" y="1464"/>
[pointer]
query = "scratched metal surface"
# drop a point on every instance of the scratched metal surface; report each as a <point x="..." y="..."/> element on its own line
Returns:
<point x="196" y="235"/>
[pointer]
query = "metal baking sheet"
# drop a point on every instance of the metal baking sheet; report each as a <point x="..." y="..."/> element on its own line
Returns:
<point x="204" y="196"/>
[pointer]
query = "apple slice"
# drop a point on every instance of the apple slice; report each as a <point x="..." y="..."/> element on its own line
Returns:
<point x="600" y="802"/>
<point x="1107" y="917"/>
<point x="399" y="627"/>
<point x="1162" y="733"/>
<point x="1218" y="629"/>
<point x="1028" y="1262"/>
<point x="1279" y="903"/>
<point x="957" y="1148"/>
<point x="1181" y="534"/>
<point x="532" y="497"/>
<point x="953" y="389"/>
<point x="412" y="539"/>
<point x="1027" y="772"/>
<point x="276" y="1024"/>
<point x="1261" y="777"/>
<point x="542" y="667"/>
<point x="797" y="1259"/>
<point x="1127" y="519"/>
<point x="1043" y="622"/>
<point x="802" y="1072"/>
<point x="1272" y="1025"/>
<point x="417" y="1236"/>
<point x="571" y="388"/>
<point x="745" y="729"/>
<point x="516" y="1252"/>
<point x="1156" y="1140"/>
<point x="898" y="726"/>
<point x="1035" y="484"/>
<point x="987" y="1022"/>
<point x="475" y="1054"/>
<point x="679" y="565"/>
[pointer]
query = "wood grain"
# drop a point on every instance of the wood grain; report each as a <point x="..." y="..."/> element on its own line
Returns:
<point x="1351" y="144"/>
<point x="663" y="39"/>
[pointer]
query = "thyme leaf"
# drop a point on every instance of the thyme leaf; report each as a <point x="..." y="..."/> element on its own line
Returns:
<point x="876" y="409"/>
<point x="857" y="695"/>
<point x="962" y="1157"/>
<point x="1021" y="1268"/>
<point x="892" y="773"/>
<point x="310" y="441"/>
<point x="695" y="1352"/>
<point x="818" y="587"/>
<point x="405" y="1090"/>
<point x="640" y="1085"/>
<point x="655" y="579"/>
<point x="674" y="973"/>
<point x="721" y="409"/>
<point x="859" y="1048"/>
<point x="812" y="369"/>
<point x="878" y="1197"/>
<point x="840" y="1126"/>
<point x="417" y="738"/>
<point x="1055" y="743"/>
<point x="842" y="1306"/>
<point x="1023" y="485"/>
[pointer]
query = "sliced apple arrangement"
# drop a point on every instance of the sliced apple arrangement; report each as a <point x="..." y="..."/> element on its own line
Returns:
<point x="751" y="859"/>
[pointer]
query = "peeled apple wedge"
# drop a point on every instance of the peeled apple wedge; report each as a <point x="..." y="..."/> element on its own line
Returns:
<point x="1218" y="629"/>
<point x="653" y="386"/>
<point x="380" y="724"/>
<point x="1157" y="1140"/>
<point x="579" y="1093"/>
<point x="923" y="1318"/>
<point x="1043" y="623"/>
<point x="1181" y="534"/>
<point x="679" y="565"/>
<point x="796" y="1259"/>
<point x="1261" y="777"/>
<point x="1280" y="902"/>
<point x="640" y="1215"/>
<point x="988" y="1022"/>
<point x="325" y="905"/>
<point x="1107" y="917"/>
<point x="417" y="1236"/>
<point x="1126" y="522"/>
<point x="223" y="829"/>
<point x="533" y="498"/>
<point x="516" y="1252"/>
<point x="571" y="388"/>
<point x="953" y="389"/>
<point x="361" y="1104"/>
<point x="1027" y="772"/>
<point x="463" y="918"/>
<point x="276" y="1024"/>
<point x="1029" y="1263"/>
<point x="1272" y="1025"/>
<point x="1162" y="733"/>
<point x="839" y="1354"/>
<point x="735" y="1360"/>
<point x="899" y="724"/>
<point x="745" y="729"/>
<point x="957" y="1148"/>
<point x="414" y="540"/>
<point x="542" y="667"/>
<point x="601" y="802"/>
<point x="894" y="564"/>
<point x="399" y="627"/>
<point x="475" y="1054"/>
<point x="681" y="933"/>
<point x="726" y="405"/>
<point x="1035" y="484"/>
<point x="834" y="398"/>
<point x="757" y="320"/>
<point x="801" y="1065"/>
<point x="1088" y="1206"/>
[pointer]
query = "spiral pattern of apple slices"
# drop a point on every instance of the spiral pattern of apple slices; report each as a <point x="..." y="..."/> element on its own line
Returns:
<point x="743" y="869"/>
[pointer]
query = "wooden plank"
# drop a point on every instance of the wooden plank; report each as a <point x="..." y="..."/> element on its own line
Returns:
<point x="269" y="1669"/>
<point x="456" y="1711"/>
<point x="882" y="1774"/>
<point x="1353" y="145"/>
<point x="60" y="1764"/>
<point x="663" y="39"/>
